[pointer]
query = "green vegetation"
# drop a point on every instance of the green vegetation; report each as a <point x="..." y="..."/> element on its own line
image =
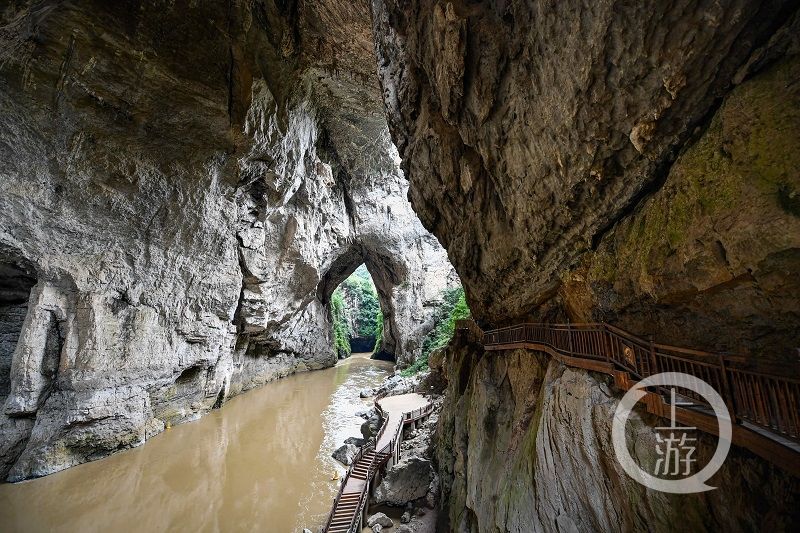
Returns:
<point x="739" y="178"/>
<point x="361" y="293"/>
<point x="378" y="330"/>
<point x="341" y="327"/>
<point x="355" y="311"/>
<point x="453" y="308"/>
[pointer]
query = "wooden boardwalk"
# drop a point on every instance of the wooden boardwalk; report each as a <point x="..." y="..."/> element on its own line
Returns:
<point x="764" y="403"/>
<point x="349" y="506"/>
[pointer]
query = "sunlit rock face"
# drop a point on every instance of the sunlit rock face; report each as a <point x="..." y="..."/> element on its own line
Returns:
<point x="537" y="134"/>
<point x="178" y="180"/>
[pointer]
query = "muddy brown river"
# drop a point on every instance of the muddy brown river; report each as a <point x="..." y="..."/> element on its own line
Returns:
<point x="261" y="463"/>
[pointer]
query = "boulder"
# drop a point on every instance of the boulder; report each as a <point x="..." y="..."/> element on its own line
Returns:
<point x="366" y="413"/>
<point x="355" y="441"/>
<point x="371" y="426"/>
<point x="379" y="519"/>
<point x="345" y="453"/>
<point x="406" y="481"/>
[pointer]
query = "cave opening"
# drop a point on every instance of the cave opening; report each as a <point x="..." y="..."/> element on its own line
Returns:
<point x="16" y="281"/>
<point x="356" y="315"/>
<point x="384" y="274"/>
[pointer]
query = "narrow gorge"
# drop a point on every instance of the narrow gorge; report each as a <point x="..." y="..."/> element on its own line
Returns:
<point x="440" y="242"/>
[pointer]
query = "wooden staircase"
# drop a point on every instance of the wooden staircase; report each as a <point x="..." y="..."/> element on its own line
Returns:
<point x="368" y="464"/>
<point x="349" y="504"/>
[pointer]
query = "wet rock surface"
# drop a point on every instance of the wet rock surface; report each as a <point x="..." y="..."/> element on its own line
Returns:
<point x="356" y="441"/>
<point x="345" y="453"/>
<point x="370" y="428"/>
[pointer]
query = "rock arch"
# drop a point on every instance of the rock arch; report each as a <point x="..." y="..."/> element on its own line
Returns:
<point x="390" y="276"/>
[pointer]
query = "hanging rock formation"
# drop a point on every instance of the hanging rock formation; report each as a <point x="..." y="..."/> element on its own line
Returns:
<point x="634" y="163"/>
<point x="548" y="131"/>
<point x="184" y="184"/>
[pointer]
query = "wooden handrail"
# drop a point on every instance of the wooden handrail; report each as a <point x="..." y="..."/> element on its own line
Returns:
<point x="378" y="460"/>
<point x="359" y="455"/>
<point x="766" y="399"/>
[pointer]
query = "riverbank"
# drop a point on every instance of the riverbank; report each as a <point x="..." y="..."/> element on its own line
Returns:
<point x="264" y="458"/>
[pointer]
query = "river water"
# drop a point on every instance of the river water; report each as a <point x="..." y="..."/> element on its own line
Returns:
<point x="261" y="463"/>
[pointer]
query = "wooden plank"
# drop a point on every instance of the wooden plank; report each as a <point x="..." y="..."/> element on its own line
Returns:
<point x="757" y="389"/>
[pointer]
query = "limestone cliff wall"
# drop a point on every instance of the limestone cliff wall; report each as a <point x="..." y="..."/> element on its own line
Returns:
<point x="627" y="162"/>
<point x="549" y="130"/>
<point x="524" y="444"/>
<point x="182" y="182"/>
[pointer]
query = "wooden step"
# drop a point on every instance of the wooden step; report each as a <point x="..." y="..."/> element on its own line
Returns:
<point x="346" y="507"/>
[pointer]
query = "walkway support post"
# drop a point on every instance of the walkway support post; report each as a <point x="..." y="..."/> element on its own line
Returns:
<point x="653" y="365"/>
<point x="606" y="341"/>
<point x="729" y="398"/>
<point x="569" y="337"/>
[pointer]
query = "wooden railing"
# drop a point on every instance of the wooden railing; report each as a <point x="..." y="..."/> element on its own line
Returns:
<point x="359" y="454"/>
<point x="381" y="456"/>
<point x="419" y="412"/>
<point x="769" y="400"/>
<point x="374" y="464"/>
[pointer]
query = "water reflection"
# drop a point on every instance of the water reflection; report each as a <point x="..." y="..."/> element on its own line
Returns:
<point x="261" y="463"/>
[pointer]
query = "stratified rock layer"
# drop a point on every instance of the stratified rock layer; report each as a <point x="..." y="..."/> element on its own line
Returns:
<point x="634" y="163"/>
<point x="183" y="185"/>
<point x="532" y="131"/>
<point x="524" y="444"/>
